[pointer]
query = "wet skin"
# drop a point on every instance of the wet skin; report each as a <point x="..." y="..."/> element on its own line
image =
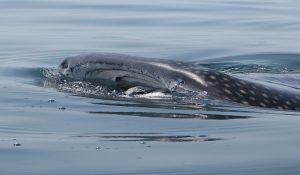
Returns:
<point x="177" y="76"/>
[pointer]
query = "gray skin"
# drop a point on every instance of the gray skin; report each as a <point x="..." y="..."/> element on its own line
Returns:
<point x="176" y="76"/>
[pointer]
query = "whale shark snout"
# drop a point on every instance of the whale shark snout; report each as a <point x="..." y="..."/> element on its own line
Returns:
<point x="176" y="76"/>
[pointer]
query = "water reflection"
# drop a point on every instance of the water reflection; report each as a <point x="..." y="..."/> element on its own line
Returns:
<point x="175" y="115"/>
<point x="150" y="137"/>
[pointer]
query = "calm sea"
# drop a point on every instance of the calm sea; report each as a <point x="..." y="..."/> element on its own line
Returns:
<point x="56" y="129"/>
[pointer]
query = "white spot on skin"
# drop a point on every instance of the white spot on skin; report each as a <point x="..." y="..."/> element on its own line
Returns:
<point x="265" y="95"/>
<point x="238" y="84"/>
<point x="285" y="107"/>
<point x="252" y="98"/>
<point x="225" y="79"/>
<point x="242" y="91"/>
<point x="238" y="94"/>
<point x="227" y="85"/>
<point x="252" y="92"/>
<point x="211" y="83"/>
<point x="262" y="104"/>
<point x="228" y="91"/>
<point x="266" y="100"/>
<point x="245" y="102"/>
<point x="288" y="103"/>
<point x="212" y="77"/>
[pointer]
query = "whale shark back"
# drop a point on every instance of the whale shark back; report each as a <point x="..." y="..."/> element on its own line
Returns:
<point x="249" y="92"/>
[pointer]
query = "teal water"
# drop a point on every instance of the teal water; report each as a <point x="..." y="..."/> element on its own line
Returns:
<point x="50" y="128"/>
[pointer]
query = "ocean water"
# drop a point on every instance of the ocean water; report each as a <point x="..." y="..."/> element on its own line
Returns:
<point x="52" y="128"/>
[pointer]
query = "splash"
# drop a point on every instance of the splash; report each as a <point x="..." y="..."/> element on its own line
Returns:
<point x="53" y="79"/>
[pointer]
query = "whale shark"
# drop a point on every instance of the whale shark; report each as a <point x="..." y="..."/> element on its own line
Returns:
<point x="176" y="76"/>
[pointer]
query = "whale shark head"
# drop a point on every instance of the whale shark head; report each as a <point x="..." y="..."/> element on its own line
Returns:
<point x="110" y="68"/>
<point x="73" y="68"/>
<point x="91" y="66"/>
<point x="135" y="71"/>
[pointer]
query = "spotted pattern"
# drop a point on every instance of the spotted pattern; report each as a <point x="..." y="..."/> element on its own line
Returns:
<point x="249" y="93"/>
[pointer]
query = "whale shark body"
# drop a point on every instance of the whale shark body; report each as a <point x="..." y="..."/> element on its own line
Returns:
<point x="176" y="76"/>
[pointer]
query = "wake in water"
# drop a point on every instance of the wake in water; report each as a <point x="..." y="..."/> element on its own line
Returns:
<point x="56" y="80"/>
<point x="53" y="79"/>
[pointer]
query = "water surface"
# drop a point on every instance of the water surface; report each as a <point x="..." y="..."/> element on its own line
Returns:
<point x="59" y="128"/>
